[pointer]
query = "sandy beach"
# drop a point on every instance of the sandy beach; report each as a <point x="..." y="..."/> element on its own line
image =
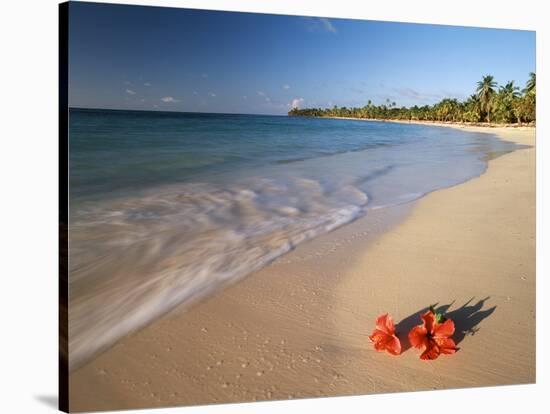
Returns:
<point x="299" y="327"/>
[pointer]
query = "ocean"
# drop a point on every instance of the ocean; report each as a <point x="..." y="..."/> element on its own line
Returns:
<point x="168" y="207"/>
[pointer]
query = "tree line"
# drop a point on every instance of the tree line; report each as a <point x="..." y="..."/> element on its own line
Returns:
<point x="492" y="103"/>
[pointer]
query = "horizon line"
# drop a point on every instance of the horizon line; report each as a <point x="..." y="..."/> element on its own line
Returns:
<point x="172" y="112"/>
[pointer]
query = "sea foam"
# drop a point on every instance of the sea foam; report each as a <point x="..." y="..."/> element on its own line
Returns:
<point x="134" y="259"/>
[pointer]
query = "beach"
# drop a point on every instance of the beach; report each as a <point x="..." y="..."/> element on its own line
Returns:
<point x="299" y="327"/>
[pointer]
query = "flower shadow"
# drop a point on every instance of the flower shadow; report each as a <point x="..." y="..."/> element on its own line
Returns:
<point x="466" y="319"/>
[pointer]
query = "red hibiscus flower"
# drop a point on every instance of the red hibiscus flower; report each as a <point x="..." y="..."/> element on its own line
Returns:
<point x="434" y="335"/>
<point x="383" y="336"/>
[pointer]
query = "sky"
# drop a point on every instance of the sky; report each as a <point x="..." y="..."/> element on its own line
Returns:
<point x="169" y="59"/>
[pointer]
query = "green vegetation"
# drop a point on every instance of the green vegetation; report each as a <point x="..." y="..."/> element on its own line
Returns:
<point x="491" y="103"/>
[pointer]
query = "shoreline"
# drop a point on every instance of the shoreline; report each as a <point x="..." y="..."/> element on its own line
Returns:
<point x="452" y="124"/>
<point x="298" y="328"/>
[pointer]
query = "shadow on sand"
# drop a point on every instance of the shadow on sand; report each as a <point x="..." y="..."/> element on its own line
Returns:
<point x="466" y="319"/>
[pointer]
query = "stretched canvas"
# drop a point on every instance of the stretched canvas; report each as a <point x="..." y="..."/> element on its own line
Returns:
<point x="263" y="207"/>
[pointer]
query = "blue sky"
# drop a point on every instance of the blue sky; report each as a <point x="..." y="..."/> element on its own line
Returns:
<point x="154" y="58"/>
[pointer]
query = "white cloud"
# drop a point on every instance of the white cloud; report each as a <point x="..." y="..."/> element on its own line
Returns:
<point x="169" y="99"/>
<point x="204" y="75"/>
<point x="245" y="97"/>
<point x="195" y="93"/>
<point x="147" y="84"/>
<point x="260" y="93"/>
<point x="327" y="25"/>
<point x="296" y="102"/>
<point x="318" y="24"/>
<point x="212" y="94"/>
<point x="130" y="92"/>
<point x="286" y="86"/>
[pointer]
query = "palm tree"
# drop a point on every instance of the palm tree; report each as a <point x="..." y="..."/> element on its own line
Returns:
<point x="485" y="92"/>
<point x="531" y="85"/>
<point x="487" y="104"/>
<point x="527" y="107"/>
<point x="504" y="102"/>
<point x="473" y="111"/>
<point x="510" y="90"/>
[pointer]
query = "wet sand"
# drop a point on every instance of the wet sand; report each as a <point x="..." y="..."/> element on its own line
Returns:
<point x="299" y="327"/>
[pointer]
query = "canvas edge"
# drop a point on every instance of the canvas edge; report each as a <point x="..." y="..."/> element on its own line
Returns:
<point x="63" y="200"/>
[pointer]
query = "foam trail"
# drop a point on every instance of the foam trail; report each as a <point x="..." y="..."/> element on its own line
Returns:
<point x="134" y="259"/>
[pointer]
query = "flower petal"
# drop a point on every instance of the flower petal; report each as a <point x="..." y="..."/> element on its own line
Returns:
<point x="417" y="336"/>
<point x="383" y="342"/>
<point x="378" y="336"/>
<point x="380" y="346"/>
<point x="393" y="345"/>
<point x="446" y="345"/>
<point x="385" y="324"/>
<point x="432" y="351"/>
<point x="445" y="329"/>
<point x="429" y="321"/>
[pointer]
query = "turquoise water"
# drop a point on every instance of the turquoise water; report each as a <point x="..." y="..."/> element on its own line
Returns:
<point x="130" y="150"/>
<point x="168" y="207"/>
